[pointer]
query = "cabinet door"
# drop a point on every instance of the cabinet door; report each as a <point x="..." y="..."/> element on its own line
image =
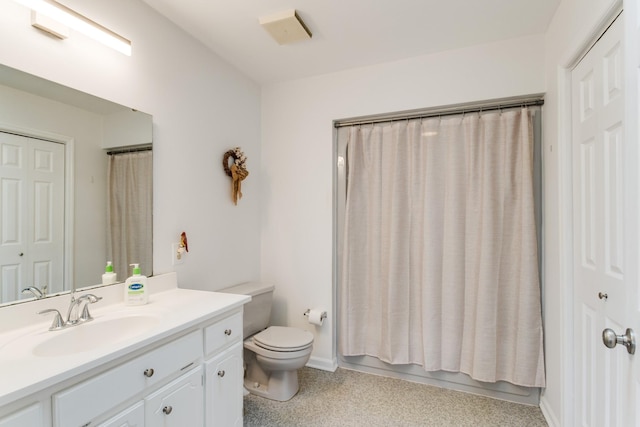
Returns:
<point x="224" y="384"/>
<point x="30" y="416"/>
<point x="130" y="417"/>
<point x="178" y="404"/>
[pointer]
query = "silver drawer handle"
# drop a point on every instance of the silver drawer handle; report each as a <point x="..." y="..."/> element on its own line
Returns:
<point x="221" y="374"/>
<point x="167" y="409"/>
<point x="227" y="332"/>
<point x="148" y="372"/>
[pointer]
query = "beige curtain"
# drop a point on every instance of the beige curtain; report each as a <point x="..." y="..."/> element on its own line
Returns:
<point x="129" y="219"/>
<point x="440" y="263"/>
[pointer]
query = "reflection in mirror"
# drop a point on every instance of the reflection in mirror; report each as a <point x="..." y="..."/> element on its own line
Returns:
<point x="68" y="162"/>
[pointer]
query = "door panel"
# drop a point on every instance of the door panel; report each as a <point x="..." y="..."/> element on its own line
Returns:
<point x="632" y="176"/>
<point x="31" y="215"/>
<point x="601" y="282"/>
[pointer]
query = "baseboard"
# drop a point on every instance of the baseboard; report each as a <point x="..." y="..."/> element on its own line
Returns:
<point x="323" y="364"/>
<point x="548" y="414"/>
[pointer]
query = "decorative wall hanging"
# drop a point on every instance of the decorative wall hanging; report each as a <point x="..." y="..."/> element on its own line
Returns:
<point x="237" y="171"/>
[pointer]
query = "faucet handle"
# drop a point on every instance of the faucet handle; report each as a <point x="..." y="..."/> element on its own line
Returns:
<point x="58" y="323"/>
<point x="89" y="297"/>
<point x="86" y="316"/>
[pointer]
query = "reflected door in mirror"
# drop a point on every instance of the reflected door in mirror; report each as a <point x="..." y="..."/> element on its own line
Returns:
<point x="32" y="215"/>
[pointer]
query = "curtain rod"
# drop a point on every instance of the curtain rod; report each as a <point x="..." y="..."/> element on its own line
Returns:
<point x="124" y="150"/>
<point x="535" y="100"/>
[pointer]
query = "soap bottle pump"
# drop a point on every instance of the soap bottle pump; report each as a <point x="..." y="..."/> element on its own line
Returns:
<point x="109" y="276"/>
<point x="135" y="290"/>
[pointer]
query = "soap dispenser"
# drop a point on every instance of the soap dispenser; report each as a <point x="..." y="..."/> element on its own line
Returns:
<point x="109" y="276"/>
<point x="135" y="290"/>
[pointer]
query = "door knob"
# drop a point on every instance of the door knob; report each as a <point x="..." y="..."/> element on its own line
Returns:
<point x="610" y="339"/>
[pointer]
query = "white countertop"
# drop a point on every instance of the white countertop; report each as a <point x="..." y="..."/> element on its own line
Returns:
<point x="23" y="373"/>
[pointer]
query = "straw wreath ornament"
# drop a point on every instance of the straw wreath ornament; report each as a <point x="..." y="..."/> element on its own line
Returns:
<point x="237" y="171"/>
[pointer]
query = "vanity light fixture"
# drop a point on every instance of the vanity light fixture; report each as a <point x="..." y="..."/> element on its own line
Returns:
<point x="72" y="19"/>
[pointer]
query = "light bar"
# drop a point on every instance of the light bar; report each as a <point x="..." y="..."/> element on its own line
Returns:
<point x="82" y="24"/>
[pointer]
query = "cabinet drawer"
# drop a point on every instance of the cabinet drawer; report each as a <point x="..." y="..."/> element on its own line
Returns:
<point x="222" y="333"/>
<point x="83" y="402"/>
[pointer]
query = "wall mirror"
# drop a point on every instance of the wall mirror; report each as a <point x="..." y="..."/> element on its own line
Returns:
<point x="75" y="188"/>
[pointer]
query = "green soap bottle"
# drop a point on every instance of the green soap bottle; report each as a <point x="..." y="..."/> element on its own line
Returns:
<point x="136" y="291"/>
<point x="109" y="276"/>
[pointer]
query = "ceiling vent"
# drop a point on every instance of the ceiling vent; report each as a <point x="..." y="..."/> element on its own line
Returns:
<point x="285" y="27"/>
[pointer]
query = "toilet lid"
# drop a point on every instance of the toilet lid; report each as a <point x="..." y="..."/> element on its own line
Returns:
<point x="282" y="338"/>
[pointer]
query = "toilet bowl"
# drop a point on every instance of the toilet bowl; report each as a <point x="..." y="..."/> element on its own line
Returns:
<point x="272" y="358"/>
<point x="273" y="354"/>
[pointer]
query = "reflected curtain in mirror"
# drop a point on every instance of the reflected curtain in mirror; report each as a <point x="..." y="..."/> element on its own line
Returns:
<point x="130" y="196"/>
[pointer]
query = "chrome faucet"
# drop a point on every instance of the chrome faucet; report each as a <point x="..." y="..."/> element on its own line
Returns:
<point x="35" y="291"/>
<point x="76" y="316"/>
<point x="78" y="312"/>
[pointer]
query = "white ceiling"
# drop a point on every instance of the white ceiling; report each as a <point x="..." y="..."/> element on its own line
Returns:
<point x="350" y="33"/>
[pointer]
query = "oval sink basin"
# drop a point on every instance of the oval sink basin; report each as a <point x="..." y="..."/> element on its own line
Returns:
<point x="94" y="334"/>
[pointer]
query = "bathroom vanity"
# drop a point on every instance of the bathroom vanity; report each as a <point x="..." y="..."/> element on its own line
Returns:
<point x="176" y="361"/>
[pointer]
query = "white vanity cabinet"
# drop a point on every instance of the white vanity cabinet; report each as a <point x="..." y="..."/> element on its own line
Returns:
<point x="185" y="370"/>
<point x="30" y="416"/>
<point x="224" y="372"/>
<point x="85" y="402"/>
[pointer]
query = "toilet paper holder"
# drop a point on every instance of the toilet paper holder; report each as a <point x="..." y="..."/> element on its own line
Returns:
<point x="323" y="316"/>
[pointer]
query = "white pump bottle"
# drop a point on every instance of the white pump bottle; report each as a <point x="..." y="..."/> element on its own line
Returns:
<point x="135" y="290"/>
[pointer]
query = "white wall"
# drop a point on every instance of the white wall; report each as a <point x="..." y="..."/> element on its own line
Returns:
<point x="575" y="24"/>
<point x="296" y="171"/>
<point x="201" y="107"/>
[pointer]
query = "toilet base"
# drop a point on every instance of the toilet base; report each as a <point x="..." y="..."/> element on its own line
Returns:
<point x="280" y="385"/>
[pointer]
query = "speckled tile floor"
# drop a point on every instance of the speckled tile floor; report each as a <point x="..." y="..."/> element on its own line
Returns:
<point x="348" y="398"/>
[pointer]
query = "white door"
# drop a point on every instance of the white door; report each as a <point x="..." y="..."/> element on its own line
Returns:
<point x="603" y="278"/>
<point x="32" y="215"/>
<point x="632" y="176"/>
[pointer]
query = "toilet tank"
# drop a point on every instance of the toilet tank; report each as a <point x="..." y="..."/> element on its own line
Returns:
<point x="257" y="312"/>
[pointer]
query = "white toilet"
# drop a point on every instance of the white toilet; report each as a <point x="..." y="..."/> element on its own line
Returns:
<point x="272" y="356"/>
